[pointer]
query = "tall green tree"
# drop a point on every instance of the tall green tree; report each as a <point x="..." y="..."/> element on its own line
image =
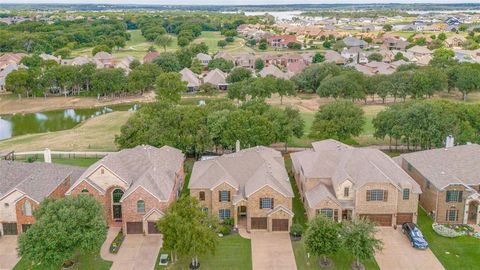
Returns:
<point x="169" y="86"/>
<point x="322" y="238"/>
<point x="164" y="41"/>
<point x="187" y="230"/>
<point x="338" y="120"/>
<point x="63" y="228"/>
<point x="360" y="241"/>
<point x="168" y="62"/>
<point x="467" y="80"/>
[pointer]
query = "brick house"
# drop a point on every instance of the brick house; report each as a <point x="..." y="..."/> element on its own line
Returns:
<point x="134" y="185"/>
<point x="450" y="182"/>
<point x="251" y="186"/>
<point x="343" y="182"/>
<point x="23" y="186"/>
<point x="281" y="41"/>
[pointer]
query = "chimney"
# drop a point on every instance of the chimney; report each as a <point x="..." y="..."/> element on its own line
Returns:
<point x="237" y="146"/>
<point x="47" y="156"/>
<point x="449" y="141"/>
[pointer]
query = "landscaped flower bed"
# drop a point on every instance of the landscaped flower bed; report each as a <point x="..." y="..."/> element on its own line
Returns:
<point x="447" y="231"/>
<point x="117" y="242"/>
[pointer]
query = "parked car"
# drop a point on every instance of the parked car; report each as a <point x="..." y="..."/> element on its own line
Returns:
<point x="414" y="235"/>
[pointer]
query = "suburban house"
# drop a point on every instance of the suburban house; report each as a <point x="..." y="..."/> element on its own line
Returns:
<point x="10" y="58"/>
<point x="395" y="44"/>
<point x="134" y="185"/>
<point x="246" y="60"/>
<point x="204" y="58"/>
<point x="455" y="41"/>
<point x="332" y="56"/>
<point x="450" y="182"/>
<point x="281" y="41"/>
<point x="274" y="71"/>
<point x="250" y="186"/>
<point x="192" y="80"/>
<point x="355" y="42"/>
<point x="23" y="186"/>
<point x="225" y="56"/>
<point x="217" y="78"/>
<point x="343" y="182"/>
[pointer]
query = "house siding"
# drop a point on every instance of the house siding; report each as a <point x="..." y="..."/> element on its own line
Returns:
<point x="253" y="204"/>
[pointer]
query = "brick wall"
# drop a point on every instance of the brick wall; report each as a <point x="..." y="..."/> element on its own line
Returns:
<point x="216" y="204"/>
<point x="253" y="203"/>
<point x="362" y="206"/>
<point x="21" y="218"/>
<point x="328" y="203"/>
<point x="443" y="205"/>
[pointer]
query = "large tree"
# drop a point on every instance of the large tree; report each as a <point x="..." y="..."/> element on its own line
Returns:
<point x="168" y="62"/>
<point x="467" y="79"/>
<point x="310" y="78"/>
<point x="63" y="228"/>
<point x="338" y="120"/>
<point x="239" y="74"/>
<point x="322" y="238"/>
<point x="187" y="230"/>
<point x="164" y="41"/>
<point x="169" y="86"/>
<point x="220" y="63"/>
<point x="360" y="241"/>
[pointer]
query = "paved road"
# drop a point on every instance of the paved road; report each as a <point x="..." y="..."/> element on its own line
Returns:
<point x="8" y="252"/>
<point x="397" y="254"/>
<point x="272" y="251"/>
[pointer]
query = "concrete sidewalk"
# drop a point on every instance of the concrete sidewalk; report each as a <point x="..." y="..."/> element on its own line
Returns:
<point x="8" y="252"/>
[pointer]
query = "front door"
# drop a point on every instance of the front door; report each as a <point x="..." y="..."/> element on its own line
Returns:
<point x="117" y="212"/>
<point x="347" y="215"/>
<point x="472" y="212"/>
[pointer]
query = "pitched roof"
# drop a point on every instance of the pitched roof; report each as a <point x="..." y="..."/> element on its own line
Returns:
<point x="190" y="77"/>
<point x="273" y="71"/>
<point x="203" y="57"/>
<point x="354" y="42"/>
<point x="444" y="166"/>
<point x="37" y="180"/>
<point x="150" y="56"/>
<point x="215" y="77"/>
<point x="340" y="162"/>
<point x="152" y="168"/>
<point x="419" y="50"/>
<point x="318" y="194"/>
<point x="247" y="171"/>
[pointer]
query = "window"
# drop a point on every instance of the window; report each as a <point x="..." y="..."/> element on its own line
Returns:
<point x="205" y="209"/>
<point x="117" y="195"/>
<point x="329" y="213"/>
<point x="346" y="192"/>
<point x="406" y="194"/>
<point x="27" y="209"/>
<point x="141" y="206"/>
<point x="452" y="215"/>
<point x="266" y="203"/>
<point x="377" y="195"/>
<point x="224" y="196"/>
<point x="454" y="196"/>
<point x="85" y="190"/>
<point x="224" y="213"/>
<point x="201" y="195"/>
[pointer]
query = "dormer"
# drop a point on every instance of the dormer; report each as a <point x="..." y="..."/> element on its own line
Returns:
<point x="345" y="191"/>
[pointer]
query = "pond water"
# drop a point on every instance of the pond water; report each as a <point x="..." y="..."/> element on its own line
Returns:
<point x="20" y="124"/>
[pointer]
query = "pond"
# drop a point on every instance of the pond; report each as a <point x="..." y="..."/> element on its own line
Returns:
<point x="20" y="124"/>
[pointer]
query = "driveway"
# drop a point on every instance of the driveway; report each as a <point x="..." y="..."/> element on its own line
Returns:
<point x="398" y="254"/>
<point x="137" y="251"/>
<point x="272" y="250"/>
<point x="8" y="252"/>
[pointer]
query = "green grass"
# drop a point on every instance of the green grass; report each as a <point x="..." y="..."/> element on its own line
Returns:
<point x="300" y="216"/>
<point x="454" y="253"/>
<point x="81" y="162"/>
<point x="304" y="141"/>
<point x="341" y="260"/>
<point x="233" y="253"/>
<point x="83" y="262"/>
<point x="188" y="166"/>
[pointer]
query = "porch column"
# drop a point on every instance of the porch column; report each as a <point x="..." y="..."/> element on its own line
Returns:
<point x="465" y="213"/>
<point x="235" y="216"/>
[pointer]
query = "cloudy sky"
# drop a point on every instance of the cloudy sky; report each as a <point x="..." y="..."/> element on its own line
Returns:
<point x="234" y="2"/>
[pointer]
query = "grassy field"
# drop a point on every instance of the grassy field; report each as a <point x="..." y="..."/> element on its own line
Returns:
<point x="233" y="252"/>
<point x="83" y="262"/>
<point x="454" y="253"/>
<point x="95" y="134"/>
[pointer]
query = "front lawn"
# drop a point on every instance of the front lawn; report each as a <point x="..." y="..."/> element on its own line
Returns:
<point x="233" y="253"/>
<point x="342" y="260"/>
<point x="454" y="253"/>
<point x="84" y="262"/>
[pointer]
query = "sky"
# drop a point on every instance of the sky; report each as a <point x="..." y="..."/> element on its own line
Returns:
<point x="235" y="2"/>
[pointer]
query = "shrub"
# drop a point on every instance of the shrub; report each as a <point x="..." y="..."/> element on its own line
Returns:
<point x="296" y="229"/>
<point x="117" y="242"/>
<point x="446" y="231"/>
<point x="225" y="230"/>
<point x="228" y="221"/>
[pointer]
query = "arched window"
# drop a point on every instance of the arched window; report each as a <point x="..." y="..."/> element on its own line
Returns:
<point x="140" y="206"/>
<point x="85" y="190"/>
<point x="27" y="209"/>
<point x="116" y="205"/>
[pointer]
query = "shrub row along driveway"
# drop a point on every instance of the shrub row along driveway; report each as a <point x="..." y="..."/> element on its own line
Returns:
<point x="398" y="254"/>
<point x="272" y="251"/>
